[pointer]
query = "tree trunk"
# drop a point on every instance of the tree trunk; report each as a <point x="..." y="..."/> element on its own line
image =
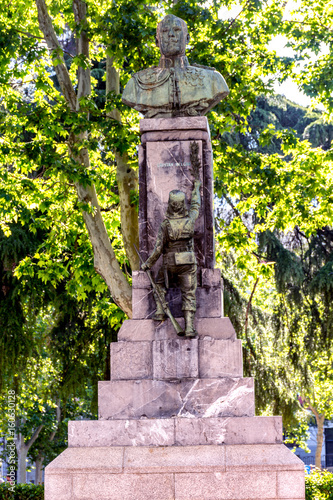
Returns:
<point x="320" y="420"/>
<point x="39" y="469"/>
<point x="320" y="439"/>
<point x="22" y="453"/>
<point x="22" y="449"/>
<point x="105" y="261"/>
<point x="127" y="181"/>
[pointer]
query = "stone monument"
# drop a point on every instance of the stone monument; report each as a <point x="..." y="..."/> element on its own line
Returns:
<point x="176" y="420"/>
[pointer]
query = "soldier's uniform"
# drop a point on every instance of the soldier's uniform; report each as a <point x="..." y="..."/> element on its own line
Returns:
<point x="175" y="242"/>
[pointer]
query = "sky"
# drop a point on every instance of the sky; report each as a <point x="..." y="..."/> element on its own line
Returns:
<point x="288" y="88"/>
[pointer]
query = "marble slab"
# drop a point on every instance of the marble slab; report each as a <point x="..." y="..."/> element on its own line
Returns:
<point x="128" y="399"/>
<point x="179" y="123"/>
<point x="178" y="431"/>
<point x="149" y="330"/>
<point x="175" y="359"/>
<point x="131" y="360"/>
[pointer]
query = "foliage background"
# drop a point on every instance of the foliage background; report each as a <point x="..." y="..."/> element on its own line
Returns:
<point x="273" y="184"/>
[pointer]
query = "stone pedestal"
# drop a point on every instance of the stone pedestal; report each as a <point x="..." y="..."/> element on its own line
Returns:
<point x="177" y="419"/>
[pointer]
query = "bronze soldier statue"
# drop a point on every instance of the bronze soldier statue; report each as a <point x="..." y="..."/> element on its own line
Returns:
<point x="175" y="242"/>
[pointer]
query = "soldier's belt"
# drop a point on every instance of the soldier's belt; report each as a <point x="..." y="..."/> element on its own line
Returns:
<point x="179" y="258"/>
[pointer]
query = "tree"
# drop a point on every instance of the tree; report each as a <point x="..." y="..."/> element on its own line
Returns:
<point x="60" y="132"/>
<point x="68" y="153"/>
<point x="318" y="398"/>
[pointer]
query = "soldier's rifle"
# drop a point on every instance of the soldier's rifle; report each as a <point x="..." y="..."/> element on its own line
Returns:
<point x="179" y="330"/>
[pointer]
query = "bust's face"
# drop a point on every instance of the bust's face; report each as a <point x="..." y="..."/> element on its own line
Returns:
<point x="172" y="36"/>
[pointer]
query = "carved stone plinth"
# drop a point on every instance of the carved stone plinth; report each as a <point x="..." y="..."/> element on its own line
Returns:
<point x="164" y="165"/>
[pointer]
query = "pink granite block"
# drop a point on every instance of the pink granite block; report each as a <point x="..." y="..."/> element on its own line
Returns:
<point x="262" y="457"/>
<point x="142" y="303"/>
<point x="98" y="460"/>
<point x="137" y="330"/>
<point x="149" y="330"/>
<point x="131" y="360"/>
<point x="147" y="432"/>
<point x="58" y="486"/>
<point x="123" y="487"/>
<point x="175" y="359"/>
<point x="291" y="484"/>
<point x="223" y="486"/>
<point x="174" y="459"/>
<point x="138" y="399"/>
<point x="175" y="135"/>
<point x="207" y="328"/>
<point x="209" y="303"/>
<point x="218" y="398"/>
<point x="217" y="328"/>
<point x="211" y="278"/>
<point x="140" y="280"/>
<point x="188" y="123"/>
<point x="256" y="430"/>
<point x="220" y="358"/>
<point x="127" y="399"/>
<point x="237" y="430"/>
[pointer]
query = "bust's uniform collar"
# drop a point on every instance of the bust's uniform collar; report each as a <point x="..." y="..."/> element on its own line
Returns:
<point x="173" y="62"/>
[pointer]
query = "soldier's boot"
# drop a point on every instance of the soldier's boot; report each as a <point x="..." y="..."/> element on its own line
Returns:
<point x="159" y="314"/>
<point x="189" y="324"/>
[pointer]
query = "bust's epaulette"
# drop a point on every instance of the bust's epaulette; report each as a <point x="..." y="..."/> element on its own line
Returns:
<point x="203" y="67"/>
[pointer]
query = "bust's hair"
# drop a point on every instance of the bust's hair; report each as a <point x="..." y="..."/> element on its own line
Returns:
<point x="166" y="18"/>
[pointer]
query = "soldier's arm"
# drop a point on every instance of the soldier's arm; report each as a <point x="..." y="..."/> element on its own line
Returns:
<point x="195" y="201"/>
<point x="158" y="249"/>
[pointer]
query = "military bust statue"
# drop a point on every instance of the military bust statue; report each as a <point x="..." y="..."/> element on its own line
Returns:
<point x="174" y="88"/>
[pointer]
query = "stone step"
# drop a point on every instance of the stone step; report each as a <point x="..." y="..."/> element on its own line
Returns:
<point x="176" y="358"/>
<point x="135" y="399"/>
<point x="138" y="330"/>
<point x="234" y="472"/>
<point x="175" y="431"/>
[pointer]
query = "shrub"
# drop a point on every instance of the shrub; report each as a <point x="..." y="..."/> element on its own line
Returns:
<point x="22" y="492"/>
<point x="319" y="485"/>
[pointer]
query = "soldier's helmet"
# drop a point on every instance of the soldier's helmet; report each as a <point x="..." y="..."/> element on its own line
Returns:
<point x="176" y="204"/>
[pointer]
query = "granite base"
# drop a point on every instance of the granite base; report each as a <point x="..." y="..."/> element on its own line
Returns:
<point x="239" y="472"/>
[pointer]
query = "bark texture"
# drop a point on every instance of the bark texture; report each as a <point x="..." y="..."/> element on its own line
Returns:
<point x="320" y="420"/>
<point x="105" y="261"/>
<point x="22" y="449"/>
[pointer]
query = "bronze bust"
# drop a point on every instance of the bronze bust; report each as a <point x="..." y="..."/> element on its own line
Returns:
<point x="174" y="88"/>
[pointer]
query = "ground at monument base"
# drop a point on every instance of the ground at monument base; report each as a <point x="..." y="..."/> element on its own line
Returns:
<point x="235" y="472"/>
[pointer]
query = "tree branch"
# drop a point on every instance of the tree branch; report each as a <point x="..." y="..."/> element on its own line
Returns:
<point x="34" y="436"/>
<point x="46" y="26"/>
<point x="249" y="305"/>
<point x="127" y="180"/>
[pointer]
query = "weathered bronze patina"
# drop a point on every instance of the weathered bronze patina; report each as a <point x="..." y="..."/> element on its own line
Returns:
<point x="174" y="88"/>
<point x="175" y="242"/>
